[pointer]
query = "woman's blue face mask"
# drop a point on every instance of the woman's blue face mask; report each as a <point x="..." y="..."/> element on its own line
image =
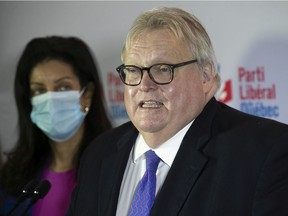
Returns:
<point x="58" y="114"/>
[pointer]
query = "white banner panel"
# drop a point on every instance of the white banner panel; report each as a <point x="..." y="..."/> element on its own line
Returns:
<point x="250" y="40"/>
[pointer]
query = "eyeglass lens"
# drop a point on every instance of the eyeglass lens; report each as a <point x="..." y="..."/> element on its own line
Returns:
<point x="159" y="73"/>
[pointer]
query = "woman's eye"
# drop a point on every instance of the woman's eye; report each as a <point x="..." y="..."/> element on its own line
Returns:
<point x="64" y="88"/>
<point x="36" y="92"/>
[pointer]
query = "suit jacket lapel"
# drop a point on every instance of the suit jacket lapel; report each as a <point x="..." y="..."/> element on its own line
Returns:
<point x="187" y="165"/>
<point x="178" y="184"/>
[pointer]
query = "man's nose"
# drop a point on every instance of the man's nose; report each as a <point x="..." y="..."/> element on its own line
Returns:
<point x="146" y="82"/>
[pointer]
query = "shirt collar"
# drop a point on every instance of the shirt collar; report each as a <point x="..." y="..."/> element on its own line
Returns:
<point x="167" y="151"/>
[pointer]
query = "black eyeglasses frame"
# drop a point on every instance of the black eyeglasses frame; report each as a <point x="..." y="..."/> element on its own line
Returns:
<point x="120" y="68"/>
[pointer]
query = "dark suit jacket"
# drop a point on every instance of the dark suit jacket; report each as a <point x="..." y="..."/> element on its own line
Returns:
<point x="229" y="164"/>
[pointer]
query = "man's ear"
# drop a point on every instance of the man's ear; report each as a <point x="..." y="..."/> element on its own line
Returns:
<point x="208" y="77"/>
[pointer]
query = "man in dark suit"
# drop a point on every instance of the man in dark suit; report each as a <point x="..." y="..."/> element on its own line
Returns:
<point x="214" y="160"/>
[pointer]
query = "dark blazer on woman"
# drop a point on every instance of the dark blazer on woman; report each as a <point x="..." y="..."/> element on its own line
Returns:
<point x="229" y="164"/>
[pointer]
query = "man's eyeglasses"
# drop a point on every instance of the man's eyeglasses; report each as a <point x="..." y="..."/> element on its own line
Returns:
<point x="161" y="74"/>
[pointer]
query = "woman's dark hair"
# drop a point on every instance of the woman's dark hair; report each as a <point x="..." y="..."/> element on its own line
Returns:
<point x="32" y="148"/>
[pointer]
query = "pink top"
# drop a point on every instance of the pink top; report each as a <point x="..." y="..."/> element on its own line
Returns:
<point x="57" y="200"/>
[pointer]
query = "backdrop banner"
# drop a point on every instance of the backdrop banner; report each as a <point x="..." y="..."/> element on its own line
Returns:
<point x="250" y="40"/>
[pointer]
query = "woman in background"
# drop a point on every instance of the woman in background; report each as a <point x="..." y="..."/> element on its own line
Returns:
<point x="60" y="110"/>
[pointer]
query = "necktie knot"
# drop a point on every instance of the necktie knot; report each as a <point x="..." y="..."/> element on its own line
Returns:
<point x="152" y="161"/>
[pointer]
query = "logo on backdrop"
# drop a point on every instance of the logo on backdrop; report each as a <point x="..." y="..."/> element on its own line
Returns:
<point x="116" y="97"/>
<point x="256" y="95"/>
<point x="225" y="93"/>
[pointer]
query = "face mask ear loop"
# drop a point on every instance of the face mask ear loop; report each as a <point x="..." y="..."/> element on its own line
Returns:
<point x="86" y="108"/>
<point x="82" y="91"/>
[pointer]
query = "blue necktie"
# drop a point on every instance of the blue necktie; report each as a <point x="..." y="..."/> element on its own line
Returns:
<point x="144" y="194"/>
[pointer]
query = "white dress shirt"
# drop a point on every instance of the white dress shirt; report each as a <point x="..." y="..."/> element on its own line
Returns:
<point x="136" y="167"/>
